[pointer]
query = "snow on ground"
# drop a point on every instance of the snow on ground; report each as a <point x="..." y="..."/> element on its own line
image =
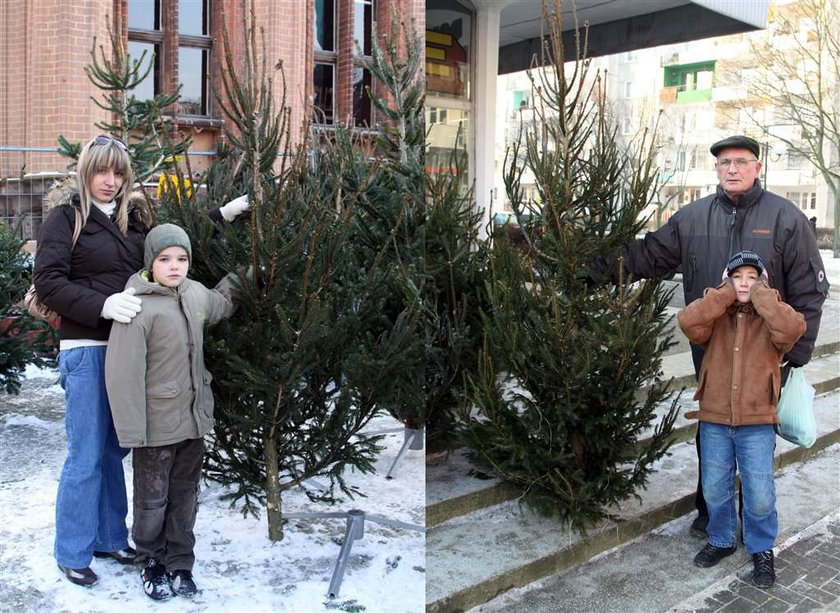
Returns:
<point x="237" y="567"/>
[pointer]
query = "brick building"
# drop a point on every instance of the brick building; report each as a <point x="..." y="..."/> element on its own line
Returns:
<point x="45" y="46"/>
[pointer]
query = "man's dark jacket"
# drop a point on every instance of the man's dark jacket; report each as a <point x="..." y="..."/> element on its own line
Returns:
<point x="702" y="236"/>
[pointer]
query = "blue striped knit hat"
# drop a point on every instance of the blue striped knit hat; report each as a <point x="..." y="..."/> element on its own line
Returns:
<point x="744" y="258"/>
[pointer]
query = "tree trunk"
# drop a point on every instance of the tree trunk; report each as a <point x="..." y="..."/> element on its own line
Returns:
<point x="274" y="505"/>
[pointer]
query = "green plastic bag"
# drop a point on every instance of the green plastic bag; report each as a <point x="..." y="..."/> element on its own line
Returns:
<point x="797" y="423"/>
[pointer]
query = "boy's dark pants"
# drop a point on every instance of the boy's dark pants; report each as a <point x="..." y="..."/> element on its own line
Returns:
<point x="165" y="485"/>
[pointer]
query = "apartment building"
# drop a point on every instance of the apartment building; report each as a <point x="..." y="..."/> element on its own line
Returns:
<point x="698" y="92"/>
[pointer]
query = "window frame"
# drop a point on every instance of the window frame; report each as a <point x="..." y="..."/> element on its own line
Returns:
<point x="168" y="43"/>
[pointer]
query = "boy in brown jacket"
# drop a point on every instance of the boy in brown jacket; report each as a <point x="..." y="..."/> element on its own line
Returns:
<point x="745" y="330"/>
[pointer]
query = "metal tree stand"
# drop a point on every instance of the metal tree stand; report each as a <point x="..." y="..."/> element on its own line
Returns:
<point x="355" y="529"/>
<point x="413" y="440"/>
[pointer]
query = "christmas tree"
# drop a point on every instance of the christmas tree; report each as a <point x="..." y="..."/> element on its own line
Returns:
<point x="420" y="231"/>
<point x="559" y="412"/>
<point x="23" y="339"/>
<point x="301" y="365"/>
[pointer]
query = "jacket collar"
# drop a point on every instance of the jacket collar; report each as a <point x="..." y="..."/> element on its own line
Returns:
<point x="747" y="199"/>
<point x="737" y="307"/>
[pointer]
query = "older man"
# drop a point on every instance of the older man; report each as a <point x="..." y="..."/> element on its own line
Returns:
<point x="740" y="216"/>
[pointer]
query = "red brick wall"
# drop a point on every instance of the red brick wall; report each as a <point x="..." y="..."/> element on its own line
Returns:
<point x="45" y="45"/>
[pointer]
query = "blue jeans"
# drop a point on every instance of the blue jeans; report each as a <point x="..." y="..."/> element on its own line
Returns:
<point x="91" y="505"/>
<point x="751" y="447"/>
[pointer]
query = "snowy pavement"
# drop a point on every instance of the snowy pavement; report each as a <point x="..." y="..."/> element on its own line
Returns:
<point x="237" y="567"/>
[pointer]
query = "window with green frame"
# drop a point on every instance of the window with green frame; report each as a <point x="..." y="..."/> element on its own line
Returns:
<point x="693" y="81"/>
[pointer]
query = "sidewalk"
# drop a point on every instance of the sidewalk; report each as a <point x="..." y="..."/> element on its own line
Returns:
<point x="807" y="577"/>
<point x="654" y="573"/>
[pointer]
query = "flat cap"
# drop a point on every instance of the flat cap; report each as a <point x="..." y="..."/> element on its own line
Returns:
<point x="738" y="142"/>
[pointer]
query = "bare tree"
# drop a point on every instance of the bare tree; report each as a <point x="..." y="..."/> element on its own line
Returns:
<point x="798" y="77"/>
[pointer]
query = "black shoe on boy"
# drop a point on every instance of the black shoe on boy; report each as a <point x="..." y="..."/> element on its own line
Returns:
<point x="181" y="582"/>
<point x="154" y="579"/>
<point x="764" y="575"/>
<point x="711" y="555"/>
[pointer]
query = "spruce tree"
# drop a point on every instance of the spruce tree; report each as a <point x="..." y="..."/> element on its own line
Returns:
<point x="559" y="410"/>
<point x="24" y="340"/>
<point x="145" y="126"/>
<point x="301" y="363"/>
<point x="420" y="231"/>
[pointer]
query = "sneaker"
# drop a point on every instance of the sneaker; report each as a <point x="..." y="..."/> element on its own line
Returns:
<point x="154" y="581"/>
<point x="123" y="556"/>
<point x="764" y="575"/>
<point x="80" y="576"/>
<point x="181" y="582"/>
<point x="711" y="555"/>
<point x="698" y="527"/>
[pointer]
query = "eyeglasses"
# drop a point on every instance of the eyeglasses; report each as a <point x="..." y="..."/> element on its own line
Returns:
<point x="104" y="139"/>
<point x="739" y="163"/>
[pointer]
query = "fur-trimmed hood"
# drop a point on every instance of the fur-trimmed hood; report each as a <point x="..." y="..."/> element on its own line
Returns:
<point x="66" y="192"/>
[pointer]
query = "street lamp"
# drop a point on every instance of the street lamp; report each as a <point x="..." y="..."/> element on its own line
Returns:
<point x="779" y="150"/>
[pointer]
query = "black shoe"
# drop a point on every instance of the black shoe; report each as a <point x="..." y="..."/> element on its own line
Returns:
<point x="80" y="576"/>
<point x="154" y="581"/>
<point x="698" y="527"/>
<point x="764" y="575"/>
<point x="711" y="555"/>
<point x="181" y="582"/>
<point x="123" y="556"/>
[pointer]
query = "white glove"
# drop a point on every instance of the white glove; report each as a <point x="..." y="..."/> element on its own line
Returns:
<point x="121" y="307"/>
<point x="235" y="207"/>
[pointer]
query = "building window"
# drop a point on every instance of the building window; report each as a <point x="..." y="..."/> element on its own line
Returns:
<point x="796" y="161"/>
<point x="363" y="23"/>
<point x="324" y="101"/>
<point x="326" y="60"/>
<point x="173" y="33"/>
<point x="331" y="85"/>
<point x="804" y="200"/>
<point x="692" y="82"/>
<point x="448" y="36"/>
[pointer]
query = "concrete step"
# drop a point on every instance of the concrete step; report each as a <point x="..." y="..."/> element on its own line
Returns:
<point x="654" y="572"/>
<point x="456" y="487"/>
<point x="474" y="556"/>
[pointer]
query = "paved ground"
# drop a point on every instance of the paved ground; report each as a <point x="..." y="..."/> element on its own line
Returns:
<point x="807" y="578"/>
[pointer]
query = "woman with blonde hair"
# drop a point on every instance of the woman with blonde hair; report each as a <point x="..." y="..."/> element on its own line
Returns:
<point x="89" y="245"/>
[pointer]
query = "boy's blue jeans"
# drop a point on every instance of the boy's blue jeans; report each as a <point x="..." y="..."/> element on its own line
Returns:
<point x="751" y="447"/>
<point x="91" y="505"/>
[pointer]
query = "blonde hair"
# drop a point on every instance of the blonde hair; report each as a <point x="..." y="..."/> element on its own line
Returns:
<point x="95" y="155"/>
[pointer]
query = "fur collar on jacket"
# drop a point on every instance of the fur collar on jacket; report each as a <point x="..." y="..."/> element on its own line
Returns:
<point x="66" y="192"/>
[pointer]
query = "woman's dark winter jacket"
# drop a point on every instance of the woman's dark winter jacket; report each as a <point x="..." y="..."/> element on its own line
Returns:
<point x="740" y="379"/>
<point x="702" y="236"/>
<point x="75" y="282"/>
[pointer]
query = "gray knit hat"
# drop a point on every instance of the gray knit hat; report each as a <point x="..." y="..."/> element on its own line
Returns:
<point x="744" y="258"/>
<point x="164" y="236"/>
